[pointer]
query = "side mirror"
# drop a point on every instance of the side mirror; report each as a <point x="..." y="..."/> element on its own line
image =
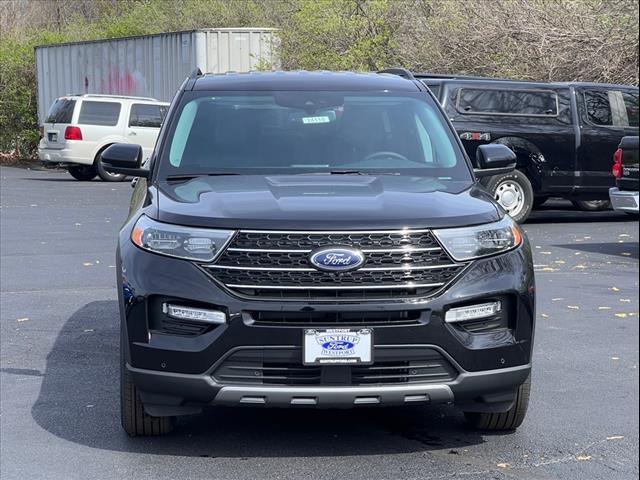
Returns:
<point x="494" y="159"/>
<point x="124" y="158"/>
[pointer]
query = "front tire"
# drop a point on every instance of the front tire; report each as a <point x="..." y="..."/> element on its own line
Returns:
<point x="513" y="191"/>
<point x="509" y="420"/>
<point x="592" y="205"/>
<point x="135" y="421"/>
<point x="84" y="173"/>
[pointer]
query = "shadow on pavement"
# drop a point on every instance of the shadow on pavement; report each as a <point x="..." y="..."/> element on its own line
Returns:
<point x="609" y="248"/>
<point x="568" y="214"/>
<point x="79" y="402"/>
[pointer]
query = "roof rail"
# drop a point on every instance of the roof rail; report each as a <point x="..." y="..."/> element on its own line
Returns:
<point x="401" y="72"/>
<point x="196" y="73"/>
<point x="451" y="76"/>
<point x="107" y="95"/>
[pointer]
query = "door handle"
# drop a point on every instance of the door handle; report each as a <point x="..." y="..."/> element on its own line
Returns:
<point x="132" y="133"/>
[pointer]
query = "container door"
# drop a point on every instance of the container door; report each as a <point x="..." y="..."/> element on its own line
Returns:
<point x="144" y="124"/>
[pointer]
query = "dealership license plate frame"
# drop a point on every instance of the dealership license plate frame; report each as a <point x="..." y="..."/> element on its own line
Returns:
<point x="314" y="341"/>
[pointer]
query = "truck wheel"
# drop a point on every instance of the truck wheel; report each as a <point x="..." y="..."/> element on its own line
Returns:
<point x="84" y="173"/>
<point x="514" y="192"/>
<point x="135" y="421"/>
<point x="509" y="420"/>
<point x="592" y="205"/>
<point x="107" y="176"/>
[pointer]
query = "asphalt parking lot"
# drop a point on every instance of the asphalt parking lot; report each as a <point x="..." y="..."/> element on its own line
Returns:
<point x="59" y="366"/>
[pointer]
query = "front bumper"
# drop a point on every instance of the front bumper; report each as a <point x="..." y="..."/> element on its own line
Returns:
<point x="175" y="375"/>
<point x="166" y="394"/>
<point x="624" y="200"/>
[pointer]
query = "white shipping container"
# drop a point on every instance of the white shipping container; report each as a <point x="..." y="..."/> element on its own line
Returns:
<point x="150" y="65"/>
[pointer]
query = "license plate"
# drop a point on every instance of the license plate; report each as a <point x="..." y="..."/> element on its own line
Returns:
<point x="53" y="137"/>
<point x="337" y="346"/>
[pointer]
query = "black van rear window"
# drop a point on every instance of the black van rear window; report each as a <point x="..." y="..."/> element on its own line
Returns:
<point x="61" y="111"/>
<point x="538" y="103"/>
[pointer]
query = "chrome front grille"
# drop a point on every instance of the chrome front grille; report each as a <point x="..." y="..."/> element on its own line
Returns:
<point x="268" y="264"/>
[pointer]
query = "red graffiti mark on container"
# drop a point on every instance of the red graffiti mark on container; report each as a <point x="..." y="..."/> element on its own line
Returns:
<point x="121" y="83"/>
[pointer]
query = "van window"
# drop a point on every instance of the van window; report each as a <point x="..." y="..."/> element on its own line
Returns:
<point x="99" y="113"/>
<point x="61" y="111"/>
<point x="598" y="107"/>
<point x="477" y="101"/>
<point x="631" y="105"/>
<point x="145" y="115"/>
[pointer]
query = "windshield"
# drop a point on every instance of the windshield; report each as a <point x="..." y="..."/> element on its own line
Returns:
<point x="302" y="132"/>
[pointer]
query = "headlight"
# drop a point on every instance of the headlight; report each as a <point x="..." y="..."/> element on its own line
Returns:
<point x="200" y="244"/>
<point x="480" y="241"/>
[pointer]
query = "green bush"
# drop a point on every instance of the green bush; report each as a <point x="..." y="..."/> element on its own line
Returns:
<point x="590" y="40"/>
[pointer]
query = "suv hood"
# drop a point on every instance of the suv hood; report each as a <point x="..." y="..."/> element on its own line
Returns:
<point x="316" y="202"/>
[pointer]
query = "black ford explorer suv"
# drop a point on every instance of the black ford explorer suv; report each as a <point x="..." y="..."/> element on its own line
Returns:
<point x="318" y="240"/>
<point x="564" y="134"/>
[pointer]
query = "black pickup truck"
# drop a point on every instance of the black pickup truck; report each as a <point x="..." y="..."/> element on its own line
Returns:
<point x="564" y="134"/>
<point x="624" y="196"/>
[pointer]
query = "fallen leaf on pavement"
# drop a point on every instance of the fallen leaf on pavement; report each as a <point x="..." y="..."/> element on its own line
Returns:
<point x="604" y="308"/>
<point x="615" y="358"/>
<point x="621" y="315"/>
<point x="625" y="300"/>
<point x="544" y="315"/>
<point x="615" y="437"/>
<point x="614" y="289"/>
<point x="582" y="458"/>
<point x="573" y="307"/>
<point x="557" y="299"/>
<point x="23" y="319"/>
<point x="502" y="465"/>
<point x="87" y="264"/>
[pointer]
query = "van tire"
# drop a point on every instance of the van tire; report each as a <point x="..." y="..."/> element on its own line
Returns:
<point x="103" y="174"/>
<point x="514" y="192"/>
<point x="509" y="420"/>
<point x="84" y="173"/>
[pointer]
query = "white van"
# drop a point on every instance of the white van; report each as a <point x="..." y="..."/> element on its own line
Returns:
<point x="79" y="127"/>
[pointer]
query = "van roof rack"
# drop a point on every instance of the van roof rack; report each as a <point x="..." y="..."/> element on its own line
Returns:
<point x="107" y="95"/>
<point x="195" y="74"/>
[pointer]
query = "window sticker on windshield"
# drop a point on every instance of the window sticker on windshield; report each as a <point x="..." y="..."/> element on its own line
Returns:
<point x="319" y="119"/>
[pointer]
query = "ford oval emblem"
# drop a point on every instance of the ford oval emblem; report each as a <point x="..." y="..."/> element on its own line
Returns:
<point x="338" y="345"/>
<point x="337" y="259"/>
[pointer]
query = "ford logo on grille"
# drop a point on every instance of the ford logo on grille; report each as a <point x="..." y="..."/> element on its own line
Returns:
<point x="337" y="259"/>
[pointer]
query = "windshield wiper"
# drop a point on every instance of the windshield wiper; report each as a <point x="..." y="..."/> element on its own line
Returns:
<point x="190" y="176"/>
<point x="355" y="172"/>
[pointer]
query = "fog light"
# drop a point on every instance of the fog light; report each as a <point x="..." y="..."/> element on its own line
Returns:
<point x="195" y="314"/>
<point x="472" y="312"/>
